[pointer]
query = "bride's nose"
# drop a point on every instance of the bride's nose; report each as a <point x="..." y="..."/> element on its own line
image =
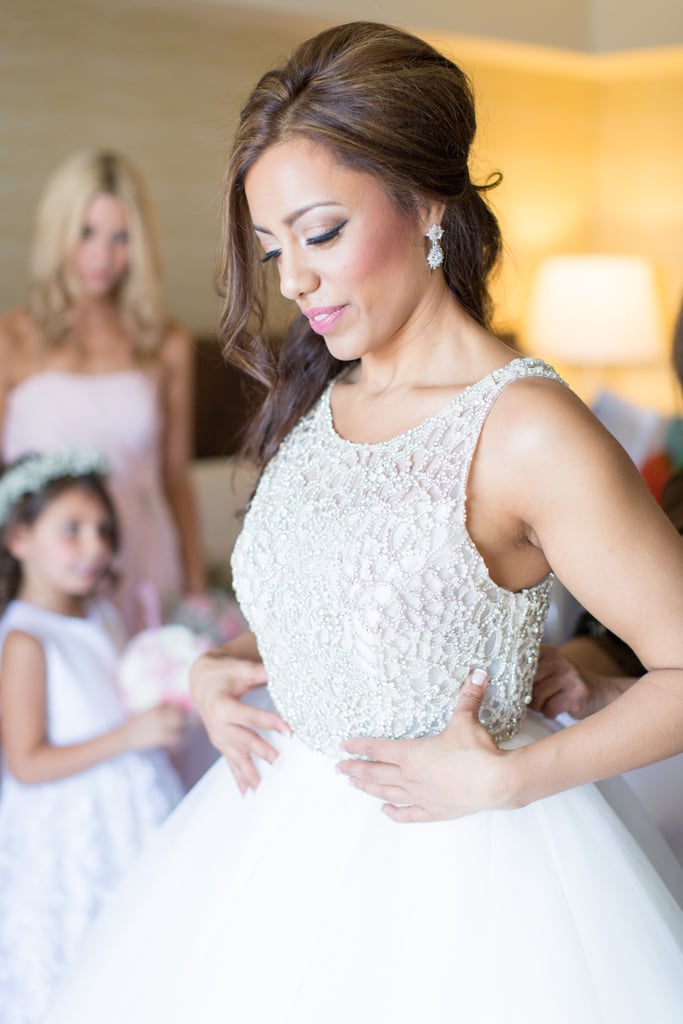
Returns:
<point x="297" y="276"/>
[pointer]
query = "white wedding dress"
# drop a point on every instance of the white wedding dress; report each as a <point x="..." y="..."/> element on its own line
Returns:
<point x="302" y="903"/>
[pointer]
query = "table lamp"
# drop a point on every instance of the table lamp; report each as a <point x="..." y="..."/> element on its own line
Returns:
<point x="595" y="311"/>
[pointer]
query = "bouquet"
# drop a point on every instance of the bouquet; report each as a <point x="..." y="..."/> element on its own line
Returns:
<point x="155" y="667"/>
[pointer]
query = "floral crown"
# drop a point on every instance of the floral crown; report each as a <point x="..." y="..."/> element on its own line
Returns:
<point x="35" y="471"/>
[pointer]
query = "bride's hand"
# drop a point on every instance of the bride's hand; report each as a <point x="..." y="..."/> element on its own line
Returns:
<point x="218" y="680"/>
<point x="457" y="772"/>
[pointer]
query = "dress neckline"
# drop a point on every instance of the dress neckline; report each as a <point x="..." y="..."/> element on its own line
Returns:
<point x="404" y="435"/>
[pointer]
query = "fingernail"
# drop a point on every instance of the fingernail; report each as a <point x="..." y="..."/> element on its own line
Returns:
<point x="478" y="677"/>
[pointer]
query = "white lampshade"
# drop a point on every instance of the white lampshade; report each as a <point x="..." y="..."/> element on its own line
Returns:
<point x="595" y="310"/>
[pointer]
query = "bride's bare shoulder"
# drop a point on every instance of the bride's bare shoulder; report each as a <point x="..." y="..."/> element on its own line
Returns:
<point x="539" y="431"/>
<point x="538" y="407"/>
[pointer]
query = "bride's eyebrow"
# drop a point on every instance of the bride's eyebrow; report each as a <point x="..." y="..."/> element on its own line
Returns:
<point x="293" y="217"/>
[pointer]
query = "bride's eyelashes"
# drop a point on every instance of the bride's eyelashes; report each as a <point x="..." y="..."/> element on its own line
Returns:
<point x="326" y="236"/>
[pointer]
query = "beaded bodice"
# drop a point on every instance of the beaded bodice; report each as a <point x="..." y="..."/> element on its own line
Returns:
<point x="368" y="598"/>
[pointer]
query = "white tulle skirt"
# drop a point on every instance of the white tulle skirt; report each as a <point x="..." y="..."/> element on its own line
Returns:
<point x="303" y="904"/>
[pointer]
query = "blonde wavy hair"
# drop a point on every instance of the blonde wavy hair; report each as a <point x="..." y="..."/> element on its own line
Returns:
<point x="55" y="288"/>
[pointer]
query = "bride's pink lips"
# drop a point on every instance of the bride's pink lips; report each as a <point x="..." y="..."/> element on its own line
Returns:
<point x="323" y="318"/>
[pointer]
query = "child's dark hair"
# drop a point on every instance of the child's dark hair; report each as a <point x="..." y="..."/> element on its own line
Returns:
<point x="26" y="510"/>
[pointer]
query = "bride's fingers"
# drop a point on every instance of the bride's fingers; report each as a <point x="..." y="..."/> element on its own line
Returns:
<point x="235" y="767"/>
<point x="228" y="713"/>
<point x="393" y="794"/>
<point x="240" y="747"/>
<point x="256" y="718"/>
<point x="244" y="770"/>
<point x="470" y="698"/>
<point x="405" y="814"/>
<point x="386" y="751"/>
<point x="378" y="773"/>
<point x="258" y="747"/>
<point x="248" y="674"/>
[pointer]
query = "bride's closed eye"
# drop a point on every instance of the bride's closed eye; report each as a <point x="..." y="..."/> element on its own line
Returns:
<point x="325" y="236"/>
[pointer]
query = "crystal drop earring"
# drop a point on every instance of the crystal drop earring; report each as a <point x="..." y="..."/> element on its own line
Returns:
<point x="435" y="254"/>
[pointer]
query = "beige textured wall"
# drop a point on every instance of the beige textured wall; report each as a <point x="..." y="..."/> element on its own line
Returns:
<point x="537" y="126"/>
<point x="591" y="147"/>
<point x="638" y="205"/>
<point x="632" y="24"/>
<point x="586" y="25"/>
<point x="639" y="188"/>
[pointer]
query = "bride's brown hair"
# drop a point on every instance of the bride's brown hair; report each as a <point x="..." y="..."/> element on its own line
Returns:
<point x="383" y="102"/>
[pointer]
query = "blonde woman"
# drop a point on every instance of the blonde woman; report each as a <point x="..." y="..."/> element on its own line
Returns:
<point x="93" y="356"/>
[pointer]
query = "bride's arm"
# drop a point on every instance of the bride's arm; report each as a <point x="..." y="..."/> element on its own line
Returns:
<point x="586" y="508"/>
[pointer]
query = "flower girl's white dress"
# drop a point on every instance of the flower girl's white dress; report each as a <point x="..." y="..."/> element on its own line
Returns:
<point x="302" y="903"/>
<point x="65" y="844"/>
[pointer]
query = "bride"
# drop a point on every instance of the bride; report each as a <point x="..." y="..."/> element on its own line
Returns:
<point x="420" y="486"/>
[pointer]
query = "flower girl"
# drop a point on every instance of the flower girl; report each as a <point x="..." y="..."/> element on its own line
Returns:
<point x="83" y="785"/>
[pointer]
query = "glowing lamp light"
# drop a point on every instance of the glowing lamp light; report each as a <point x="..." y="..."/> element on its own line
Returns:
<point x="595" y="310"/>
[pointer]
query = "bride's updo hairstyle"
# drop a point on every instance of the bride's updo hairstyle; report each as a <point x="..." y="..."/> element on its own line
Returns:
<point x="382" y="102"/>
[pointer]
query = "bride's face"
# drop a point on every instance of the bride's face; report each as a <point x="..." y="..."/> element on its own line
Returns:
<point x="101" y="257"/>
<point x="354" y="264"/>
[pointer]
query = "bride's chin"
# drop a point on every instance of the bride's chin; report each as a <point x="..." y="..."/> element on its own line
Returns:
<point x="345" y="352"/>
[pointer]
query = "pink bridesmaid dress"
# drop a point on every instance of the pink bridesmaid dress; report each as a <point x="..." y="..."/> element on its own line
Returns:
<point x="119" y="413"/>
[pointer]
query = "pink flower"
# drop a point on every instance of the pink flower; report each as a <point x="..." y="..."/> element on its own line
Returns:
<point x="155" y="667"/>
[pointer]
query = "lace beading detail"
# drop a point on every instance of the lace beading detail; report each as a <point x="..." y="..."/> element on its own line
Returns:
<point x="369" y="600"/>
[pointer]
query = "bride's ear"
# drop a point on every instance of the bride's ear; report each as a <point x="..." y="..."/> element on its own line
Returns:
<point x="431" y="214"/>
